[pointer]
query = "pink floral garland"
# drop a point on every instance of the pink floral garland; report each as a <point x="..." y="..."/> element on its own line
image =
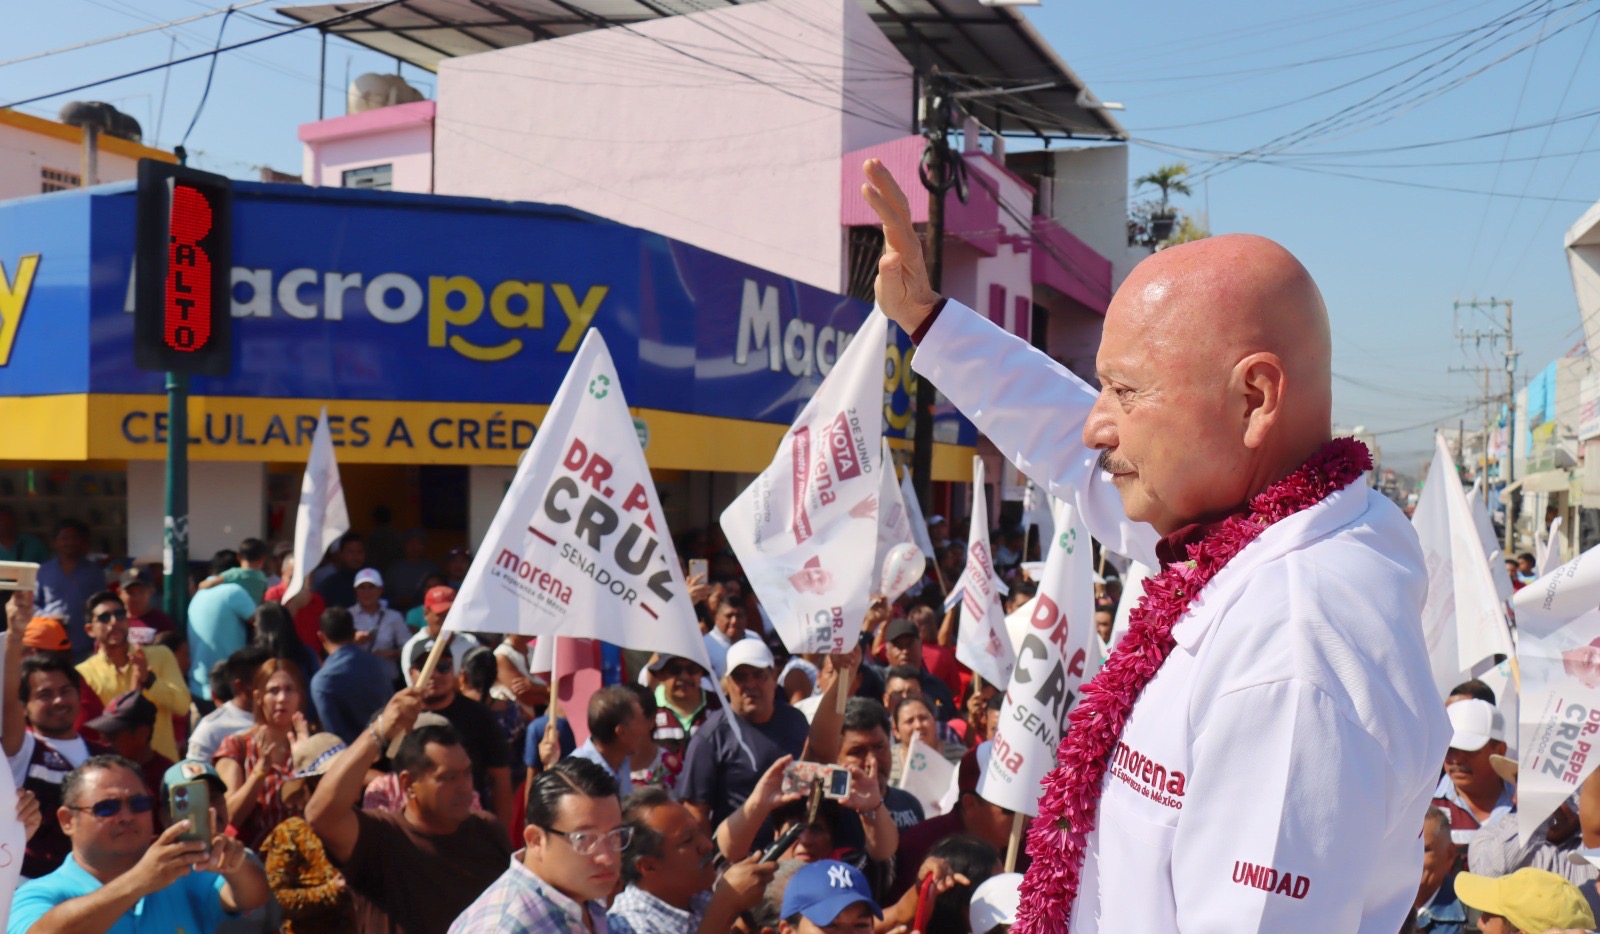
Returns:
<point x="1071" y="798"/>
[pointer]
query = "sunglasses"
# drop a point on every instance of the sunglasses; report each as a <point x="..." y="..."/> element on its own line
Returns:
<point x="680" y="671"/>
<point x="110" y="615"/>
<point x="111" y="807"/>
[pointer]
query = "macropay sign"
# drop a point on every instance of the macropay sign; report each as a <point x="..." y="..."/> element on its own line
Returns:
<point x="343" y="295"/>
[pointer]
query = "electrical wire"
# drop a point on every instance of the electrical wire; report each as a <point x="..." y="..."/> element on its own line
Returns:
<point x="211" y="72"/>
<point x="130" y="34"/>
<point x="336" y="18"/>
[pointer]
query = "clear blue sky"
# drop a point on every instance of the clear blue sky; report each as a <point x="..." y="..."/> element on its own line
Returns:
<point x="1223" y="77"/>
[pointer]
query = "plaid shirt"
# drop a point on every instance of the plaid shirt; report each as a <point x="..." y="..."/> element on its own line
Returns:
<point x="636" y="911"/>
<point x="519" y="902"/>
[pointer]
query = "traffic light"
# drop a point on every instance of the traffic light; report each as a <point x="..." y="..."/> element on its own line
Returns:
<point x="183" y="260"/>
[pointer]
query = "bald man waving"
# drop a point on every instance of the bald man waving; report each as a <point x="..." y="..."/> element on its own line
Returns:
<point x="1259" y="752"/>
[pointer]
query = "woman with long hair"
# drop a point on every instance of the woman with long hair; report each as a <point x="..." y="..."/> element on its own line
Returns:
<point x="255" y="763"/>
<point x="274" y="630"/>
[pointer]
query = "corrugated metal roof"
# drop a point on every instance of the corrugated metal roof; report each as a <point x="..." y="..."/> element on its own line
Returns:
<point x="980" y="47"/>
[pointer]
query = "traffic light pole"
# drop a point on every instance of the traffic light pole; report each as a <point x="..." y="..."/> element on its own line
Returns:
<point x="175" y="527"/>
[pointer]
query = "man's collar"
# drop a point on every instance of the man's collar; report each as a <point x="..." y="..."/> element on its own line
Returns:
<point x="555" y="896"/>
<point x="1173" y="548"/>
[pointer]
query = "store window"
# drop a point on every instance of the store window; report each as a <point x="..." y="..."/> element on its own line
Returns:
<point x="380" y="177"/>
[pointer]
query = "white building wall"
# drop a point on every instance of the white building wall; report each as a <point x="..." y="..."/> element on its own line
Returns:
<point x="603" y="121"/>
<point x="24" y="155"/>
<point x="225" y="506"/>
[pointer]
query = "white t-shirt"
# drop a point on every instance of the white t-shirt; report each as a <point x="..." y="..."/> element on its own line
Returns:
<point x="74" y="750"/>
<point x="388" y="628"/>
<point x="521" y="661"/>
<point x="215" y="727"/>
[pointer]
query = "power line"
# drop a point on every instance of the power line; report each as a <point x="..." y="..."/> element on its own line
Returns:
<point x="130" y="34"/>
<point x="336" y="18"/>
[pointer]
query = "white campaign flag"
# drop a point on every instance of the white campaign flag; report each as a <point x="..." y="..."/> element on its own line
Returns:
<point x="1132" y="592"/>
<point x="1463" y="621"/>
<point x="919" y="526"/>
<point x="927" y="775"/>
<point x="13" y="841"/>
<point x="981" y="640"/>
<point x="1550" y="550"/>
<point x="579" y="546"/>
<point x="1036" y="510"/>
<point x="894" y="520"/>
<point x="322" y="518"/>
<point x="806" y="530"/>
<point x="1491" y="545"/>
<point x="1558" y="629"/>
<point x="1054" y="658"/>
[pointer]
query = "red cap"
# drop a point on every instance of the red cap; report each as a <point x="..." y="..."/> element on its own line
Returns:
<point x="438" y="599"/>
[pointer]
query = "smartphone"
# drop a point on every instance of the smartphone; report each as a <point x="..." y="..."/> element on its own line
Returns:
<point x="698" y="566"/>
<point x="22" y="575"/>
<point x="192" y="801"/>
<point x="782" y="844"/>
<point x="798" y="778"/>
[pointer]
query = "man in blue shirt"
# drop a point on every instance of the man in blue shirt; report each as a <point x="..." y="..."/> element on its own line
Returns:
<point x="353" y="684"/>
<point x="118" y="880"/>
<point x="217" y="618"/>
<point x="67" y="580"/>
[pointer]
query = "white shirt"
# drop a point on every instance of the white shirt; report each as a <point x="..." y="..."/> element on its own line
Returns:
<point x="460" y="644"/>
<point x="388" y="628"/>
<point x="1293" y="733"/>
<point x="74" y="750"/>
<point x="215" y="727"/>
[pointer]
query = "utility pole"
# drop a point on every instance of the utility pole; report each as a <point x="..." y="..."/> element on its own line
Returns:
<point x="937" y="178"/>
<point x="1492" y="338"/>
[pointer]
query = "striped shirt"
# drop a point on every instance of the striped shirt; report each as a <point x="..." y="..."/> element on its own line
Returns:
<point x="519" y="902"/>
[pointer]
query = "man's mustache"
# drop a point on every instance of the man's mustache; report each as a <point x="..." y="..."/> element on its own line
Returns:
<point x="1110" y="464"/>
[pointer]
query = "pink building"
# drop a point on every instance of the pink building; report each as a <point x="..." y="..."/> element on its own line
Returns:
<point x="741" y="128"/>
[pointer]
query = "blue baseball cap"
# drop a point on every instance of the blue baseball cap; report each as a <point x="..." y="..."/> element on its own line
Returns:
<point x="823" y="889"/>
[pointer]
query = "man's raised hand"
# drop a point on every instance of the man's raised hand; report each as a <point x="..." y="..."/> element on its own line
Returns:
<point x="902" y="287"/>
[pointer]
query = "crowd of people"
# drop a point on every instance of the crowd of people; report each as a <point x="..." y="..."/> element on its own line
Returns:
<point x="342" y="791"/>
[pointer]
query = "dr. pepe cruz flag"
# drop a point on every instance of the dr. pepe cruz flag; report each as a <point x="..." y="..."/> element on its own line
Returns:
<point x="579" y="546"/>
<point x="1054" y="655"/>
<point x="806" y="530"/>
<point x="1558" y="646"/>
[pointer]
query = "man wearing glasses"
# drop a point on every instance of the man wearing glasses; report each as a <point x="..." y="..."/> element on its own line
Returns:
<point x="117" y="667"/>
<point x="118" y="877"/>
<point x="416" y="869"/>
<point x="570" y="862"/>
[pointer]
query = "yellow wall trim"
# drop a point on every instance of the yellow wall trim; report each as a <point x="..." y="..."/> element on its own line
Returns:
<point x="108" y="427"/>
<point x="72" y="134"/>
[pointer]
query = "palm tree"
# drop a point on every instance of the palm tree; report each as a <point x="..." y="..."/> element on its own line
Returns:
<point x="1168" y="178"/>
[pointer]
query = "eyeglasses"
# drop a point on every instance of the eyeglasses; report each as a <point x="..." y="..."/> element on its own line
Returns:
<point x="111" y="807"/>
<point x="110" y="615"/>
<point x="585" y="843"/>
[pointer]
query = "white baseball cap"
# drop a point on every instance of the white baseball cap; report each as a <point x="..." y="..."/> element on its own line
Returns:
<point x="752" y="652"/>
<point x="369" y="576"/>
<point x="995" y="902"/>
<point x="1474" y="723"/>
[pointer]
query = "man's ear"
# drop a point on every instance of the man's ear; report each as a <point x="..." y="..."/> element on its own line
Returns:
<point x="533" y="836"/>
<point x="65" y="816"/>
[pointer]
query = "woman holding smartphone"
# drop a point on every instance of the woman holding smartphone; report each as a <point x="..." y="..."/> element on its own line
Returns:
<point x="255" y="763"/>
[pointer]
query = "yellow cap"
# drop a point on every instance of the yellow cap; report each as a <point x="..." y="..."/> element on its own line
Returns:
<point x="1531" y="899"/>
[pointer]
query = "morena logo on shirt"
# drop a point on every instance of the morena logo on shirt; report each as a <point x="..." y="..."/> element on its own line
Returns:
<point x="1271" y="880"/>
<point x="1148" y="777"/>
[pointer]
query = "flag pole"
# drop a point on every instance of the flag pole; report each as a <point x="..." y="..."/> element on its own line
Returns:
<point x="1016" y="841"/>
<point x="439" y="645"/>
